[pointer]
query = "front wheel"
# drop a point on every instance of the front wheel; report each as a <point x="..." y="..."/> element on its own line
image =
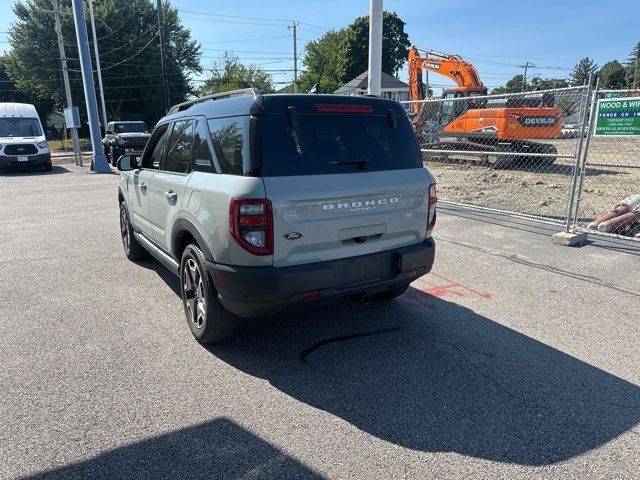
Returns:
<point x="132" y="248"/>
<point x="208" y="320"/>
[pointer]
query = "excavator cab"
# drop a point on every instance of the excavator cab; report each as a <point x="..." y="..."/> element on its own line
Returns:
<point x="453" y="108"/>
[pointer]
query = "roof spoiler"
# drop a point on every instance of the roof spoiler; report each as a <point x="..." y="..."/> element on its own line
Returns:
<point x="216" y="96"/>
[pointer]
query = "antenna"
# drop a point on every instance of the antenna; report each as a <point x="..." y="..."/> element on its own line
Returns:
<point x="316" y="87"/>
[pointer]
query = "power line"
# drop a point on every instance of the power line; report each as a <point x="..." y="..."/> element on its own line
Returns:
<point x="235" y="16"/>
<point x="234" y="21"/>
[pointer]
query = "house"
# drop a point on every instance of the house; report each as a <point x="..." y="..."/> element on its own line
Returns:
<point x="390" y="87"/>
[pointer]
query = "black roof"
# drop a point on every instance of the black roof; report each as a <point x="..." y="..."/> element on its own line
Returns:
<point x="277" y="104"/>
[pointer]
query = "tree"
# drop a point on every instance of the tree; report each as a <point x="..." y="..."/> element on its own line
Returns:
<point x="515" y="85"/>
<point x="512" y="86"/>
<point x="9" y="92"/>
<point x="581" y="72"/>
<point x="129" y="56"/>
<point x="324" y="50"/>
<point x="633" y="67"/>
<point x="230" y="74"/>
<point x="354" y="50"/>
<point x="612" y="75"/>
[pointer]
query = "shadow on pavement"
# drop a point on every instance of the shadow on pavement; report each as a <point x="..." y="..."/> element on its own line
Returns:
<point x="216" y="449"/>
<point x="31" y="171"/>
<point x="430" y="375"/>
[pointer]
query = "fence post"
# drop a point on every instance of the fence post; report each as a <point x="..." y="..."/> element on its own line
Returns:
<point x="585" y="153"/>
<point x="576" y="167"/>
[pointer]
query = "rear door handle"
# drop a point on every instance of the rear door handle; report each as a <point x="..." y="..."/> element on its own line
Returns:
<point x="143" y="186"/>
<point x="171" y="196"/>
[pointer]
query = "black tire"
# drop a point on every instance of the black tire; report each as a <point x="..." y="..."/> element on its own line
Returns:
<point x="391" y="294"/>
<point x="112" y="156"/>
<point x="208" y="320"/>
<point x="132" y="248"/>
<point x="47" y="167"/>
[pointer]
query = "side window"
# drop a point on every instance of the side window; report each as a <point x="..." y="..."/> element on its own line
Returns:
<point x="153" y="151"/>
<point x="180" y="147"/>
<point x="201" y="152"/>
<point x="230" y="138"/>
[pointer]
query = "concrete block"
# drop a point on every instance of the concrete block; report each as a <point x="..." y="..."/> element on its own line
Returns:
<point x="569" y="239"/>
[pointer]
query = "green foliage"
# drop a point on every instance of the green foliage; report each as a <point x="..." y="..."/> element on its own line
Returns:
<point x="512" y="86"/>
<point x="354" y="50"/>
<point x="580" y="74"/>
<point x="325" y="49"/>
<point x="129" y="56"/>
<point x="515" y="85"/>
<point x="632" y="67"/>
<point x="230" y="74"/>
<point x="612" y="75"/>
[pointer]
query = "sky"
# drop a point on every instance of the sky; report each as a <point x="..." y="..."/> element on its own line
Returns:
<point x="497" y="36"/>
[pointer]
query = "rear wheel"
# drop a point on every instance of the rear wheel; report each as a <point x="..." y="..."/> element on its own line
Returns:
<point x="208" y="320"/>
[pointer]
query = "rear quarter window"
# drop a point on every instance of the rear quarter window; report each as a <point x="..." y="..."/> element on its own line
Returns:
<point x="230" y="139"/>
<point x="337" y="143"/>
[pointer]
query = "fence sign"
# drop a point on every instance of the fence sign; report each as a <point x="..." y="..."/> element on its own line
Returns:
<point x="618" y="117"/>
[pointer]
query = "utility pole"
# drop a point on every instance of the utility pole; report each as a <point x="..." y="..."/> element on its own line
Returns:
<point x="375" y="47"/>
<point x="635" y="72"/>
<point x="100" y="164"/>
<point x="65" y="75"/>
<point x="163" y="57"/>
<point x="524" y="78"/>
<point x="95" y="49"/>
<point x="293" y="27"/>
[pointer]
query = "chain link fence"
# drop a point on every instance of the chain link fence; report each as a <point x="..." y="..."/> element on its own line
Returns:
<point x="533" y="154"/>
<point x="608" y="195"/>
<point x="512" y="152"/>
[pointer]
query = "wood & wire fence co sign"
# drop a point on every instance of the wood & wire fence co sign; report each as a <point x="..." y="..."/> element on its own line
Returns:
<point x="618" y="117"/>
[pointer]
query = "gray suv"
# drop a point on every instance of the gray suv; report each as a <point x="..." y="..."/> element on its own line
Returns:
<point x="265" y="202"/>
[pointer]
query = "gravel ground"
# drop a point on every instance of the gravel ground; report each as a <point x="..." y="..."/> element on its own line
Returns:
<point x="544" y="190"/>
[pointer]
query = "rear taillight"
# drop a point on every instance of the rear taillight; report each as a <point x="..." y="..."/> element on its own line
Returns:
<point x="251" y="223"/>
<point x="433" y="199"/>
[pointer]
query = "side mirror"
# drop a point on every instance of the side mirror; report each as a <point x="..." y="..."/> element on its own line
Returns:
<point x="108" y="132"/>
<point x="126" y="163"/>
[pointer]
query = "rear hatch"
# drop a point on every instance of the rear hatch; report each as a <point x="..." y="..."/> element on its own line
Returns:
<point x="343" y="180"/>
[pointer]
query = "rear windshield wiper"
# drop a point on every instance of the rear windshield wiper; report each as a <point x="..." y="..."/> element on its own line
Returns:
<point x="360" y="162"/>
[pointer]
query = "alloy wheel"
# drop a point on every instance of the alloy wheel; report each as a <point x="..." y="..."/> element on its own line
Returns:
<point x="193" y="288"/>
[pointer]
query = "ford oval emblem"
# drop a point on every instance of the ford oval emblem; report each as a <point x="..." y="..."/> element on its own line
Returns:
<point x="293" y="235"/>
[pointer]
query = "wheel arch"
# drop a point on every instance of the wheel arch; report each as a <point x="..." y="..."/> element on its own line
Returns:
<point x="183" y="233"/>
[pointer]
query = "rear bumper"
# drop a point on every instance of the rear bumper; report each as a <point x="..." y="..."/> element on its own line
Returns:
<point x="260" y="291"/>
<point x="33" y="160"/>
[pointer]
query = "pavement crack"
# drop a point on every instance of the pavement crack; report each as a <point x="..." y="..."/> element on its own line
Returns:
<point x="307" y="351"/>
<point x="541" y="266"/>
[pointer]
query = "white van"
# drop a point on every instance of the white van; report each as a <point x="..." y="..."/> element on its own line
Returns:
<point x="22" y="139"/>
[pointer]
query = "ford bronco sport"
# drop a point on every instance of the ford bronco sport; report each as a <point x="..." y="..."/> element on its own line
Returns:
<point x="263" y="202"/>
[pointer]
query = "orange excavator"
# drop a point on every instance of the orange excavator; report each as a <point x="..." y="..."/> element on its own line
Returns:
<point x="466" y="119"/>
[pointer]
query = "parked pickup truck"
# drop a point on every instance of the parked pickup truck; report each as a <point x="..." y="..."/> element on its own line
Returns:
<point x="265" y="202"/>
<point x="124" y="138"/>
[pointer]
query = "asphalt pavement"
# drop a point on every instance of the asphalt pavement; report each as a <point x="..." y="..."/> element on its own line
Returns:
<point x="515" y="358"/>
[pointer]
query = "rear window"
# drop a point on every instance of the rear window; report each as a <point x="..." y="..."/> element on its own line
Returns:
<point x="326" y="144"/>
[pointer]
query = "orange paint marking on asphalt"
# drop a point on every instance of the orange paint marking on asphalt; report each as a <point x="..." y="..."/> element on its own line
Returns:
<point x="438" y="286"/>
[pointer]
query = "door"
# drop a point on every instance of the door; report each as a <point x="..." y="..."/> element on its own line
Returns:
<point x="141" y="181"/>
<point x="168" y="186"/>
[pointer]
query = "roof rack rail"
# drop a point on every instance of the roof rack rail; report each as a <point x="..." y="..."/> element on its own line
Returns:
<point x="216" y="96"/>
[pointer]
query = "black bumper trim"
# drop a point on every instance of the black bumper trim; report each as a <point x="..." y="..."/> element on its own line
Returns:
<point x="34" y="160"/>
<point x="260" y="291"/>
